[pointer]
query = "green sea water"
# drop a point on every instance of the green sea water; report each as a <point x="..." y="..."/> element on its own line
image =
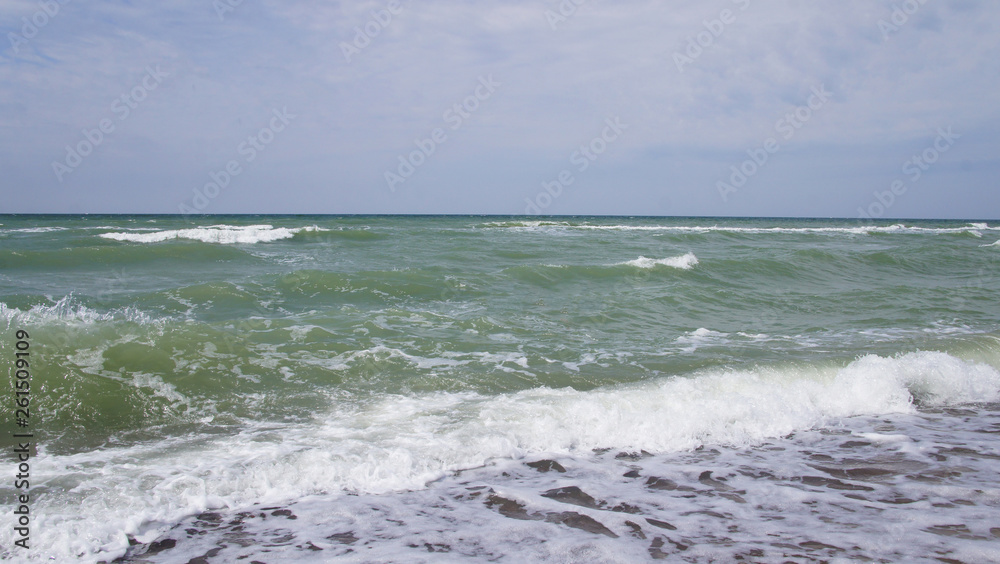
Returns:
<point x="226" y="334"/>
<point x="266" y="318"/>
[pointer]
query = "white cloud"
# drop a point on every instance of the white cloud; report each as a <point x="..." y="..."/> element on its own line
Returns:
<point x="607" y="59"/>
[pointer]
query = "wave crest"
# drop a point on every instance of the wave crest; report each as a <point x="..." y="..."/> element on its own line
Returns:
<point x="221" y="234"/>
<point x="684" y="262"/>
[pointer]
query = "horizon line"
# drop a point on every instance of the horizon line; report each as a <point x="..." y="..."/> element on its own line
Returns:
<point x="636" y="216"/>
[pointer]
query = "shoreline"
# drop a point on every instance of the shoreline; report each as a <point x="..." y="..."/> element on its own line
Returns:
<point x="882" y="488"/>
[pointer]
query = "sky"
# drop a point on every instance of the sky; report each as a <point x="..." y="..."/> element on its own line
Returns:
<point x="826" y="108"/>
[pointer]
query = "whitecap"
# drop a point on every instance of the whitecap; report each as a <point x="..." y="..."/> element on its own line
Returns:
<point x="222" y="234"/>
<point x="685" y="262"/>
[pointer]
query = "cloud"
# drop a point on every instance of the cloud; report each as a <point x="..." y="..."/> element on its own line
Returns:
<point x="891" y="89"/>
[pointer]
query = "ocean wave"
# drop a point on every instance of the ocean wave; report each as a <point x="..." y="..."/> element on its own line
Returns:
<point x="974" y="229"/>
<point x="736" y="408"/>
<point x="684" y="262"/>
<point x="222" y="234"/>
<point x="119" y="227"/>
<point x="67" y="310"/>
<point x="527" y="224"/>
<point x="703" y="336"/>
<point x="36" y="229"/>
<point x="404" y="442"/>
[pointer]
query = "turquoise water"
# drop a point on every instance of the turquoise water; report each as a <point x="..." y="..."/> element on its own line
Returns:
<point x="376" y="354"/>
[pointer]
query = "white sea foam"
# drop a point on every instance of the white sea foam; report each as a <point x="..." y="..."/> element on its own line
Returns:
<point x="159" y="388"/>
<point x="446" y="361"/>
<point x="685" y="262"/>
<point x="699" y="337"/>
<point x="37" y="229"/>
<point x="403" y="442"/>
<point x="119" y="227"/>
<point x="527" y="224"/>
<point x="223" y="234"/>
<point x="716" y="505"/>
<point x="973" y="228"/>
<point x="734" y="408"/>
<point x="68" y="310"/>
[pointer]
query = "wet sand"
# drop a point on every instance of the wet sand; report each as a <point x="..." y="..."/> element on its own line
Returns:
<point x="916" y="488"/>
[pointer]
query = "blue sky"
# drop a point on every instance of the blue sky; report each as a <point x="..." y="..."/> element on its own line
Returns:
<point x="723" y="107"/>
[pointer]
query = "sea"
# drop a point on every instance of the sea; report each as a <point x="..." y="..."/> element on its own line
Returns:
<point x="499" y="389"/>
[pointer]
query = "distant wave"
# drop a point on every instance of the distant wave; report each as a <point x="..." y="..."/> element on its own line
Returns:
<point x="685" y="262"/>
<point x="899" y="228"/>
<point x="36" y="229"/>
<point x="548" y="274"/>
<point x="527" y="224"/>
<point x="222" y="234"/>
<point x="860" y="230"/>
